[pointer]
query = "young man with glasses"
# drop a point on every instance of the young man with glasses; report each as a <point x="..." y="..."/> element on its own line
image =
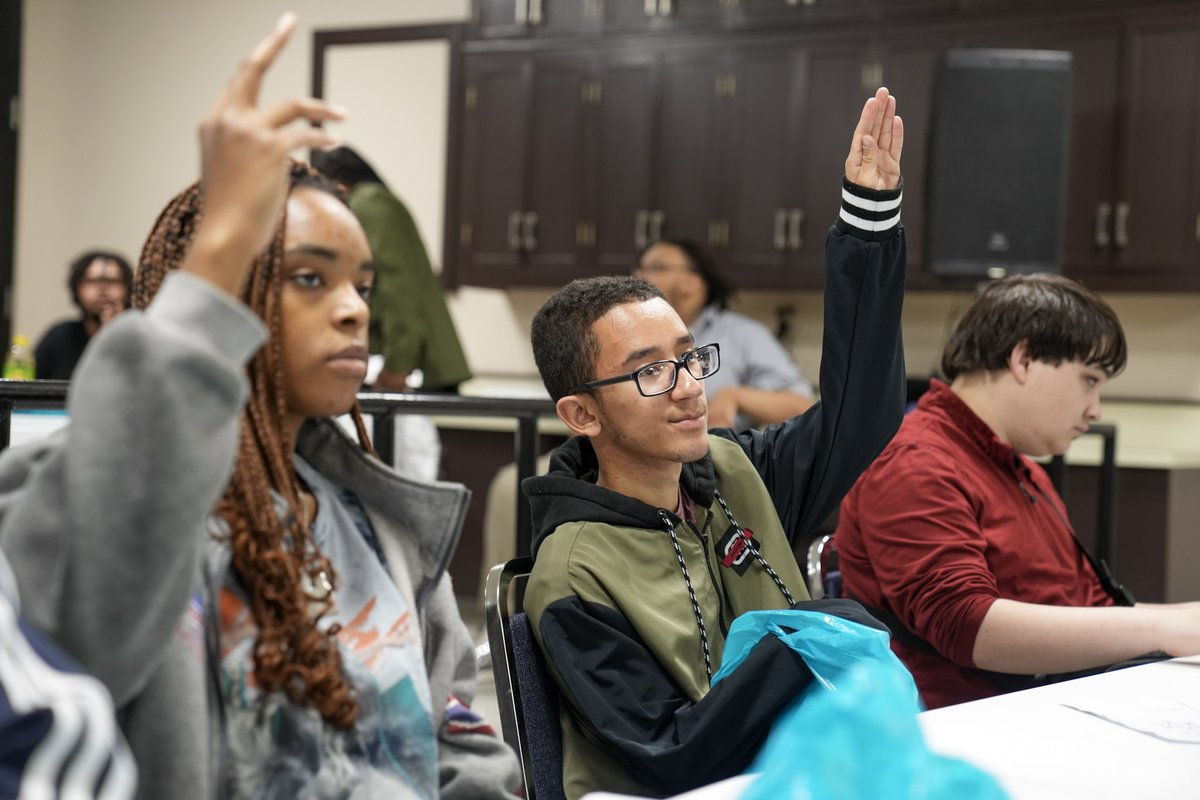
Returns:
<point x="651" y="535"/>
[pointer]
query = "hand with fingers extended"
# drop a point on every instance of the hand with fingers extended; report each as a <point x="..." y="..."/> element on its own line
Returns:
<point x="244" y="164"/>
<point x="874" y="159"/>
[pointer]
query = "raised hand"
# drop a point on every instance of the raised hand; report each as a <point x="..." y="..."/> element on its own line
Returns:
<point x="874" y="160"/>
<point x="244" y="164"/>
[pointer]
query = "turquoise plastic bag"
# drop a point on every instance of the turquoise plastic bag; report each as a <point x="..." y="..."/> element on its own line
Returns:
<point x="853" y="734"/>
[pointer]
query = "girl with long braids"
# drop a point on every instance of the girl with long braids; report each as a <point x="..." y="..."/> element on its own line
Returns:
<point x="342" y="666"/>
<point x="299" y="636"/>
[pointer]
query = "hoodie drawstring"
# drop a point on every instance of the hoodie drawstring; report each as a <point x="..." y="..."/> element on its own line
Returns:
<point x="687" y="577"/>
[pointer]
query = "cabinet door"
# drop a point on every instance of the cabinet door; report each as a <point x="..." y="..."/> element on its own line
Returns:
<point x="1092" y="155"/>
<point x="907" y="68"/>
<point x="624" y="177"/>
<point x="837" y="81"/>
<point x="494" y="18"/>
<point x="1155" y="215"/>
<point x="639" y="15"/>
<point x="495" y="151"/>
<point x="551" y="229"/>
<point x="690" y="148"/>
<point x="759" y="182"/>
<point x="799" y="11"/>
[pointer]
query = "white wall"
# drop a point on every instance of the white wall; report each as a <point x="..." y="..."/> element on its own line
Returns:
<point x="111" y="93"/>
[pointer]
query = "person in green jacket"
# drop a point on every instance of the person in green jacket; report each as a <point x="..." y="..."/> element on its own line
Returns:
<point x="410" y="324"/>
<point x="651" y="534"/>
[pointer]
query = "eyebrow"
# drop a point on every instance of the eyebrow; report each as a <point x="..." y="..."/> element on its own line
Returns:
<point x="639" y="355"/>
<point x="326" y="254"/>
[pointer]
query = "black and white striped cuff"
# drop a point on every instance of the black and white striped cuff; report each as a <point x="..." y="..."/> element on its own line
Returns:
<point x="869" y="213"/>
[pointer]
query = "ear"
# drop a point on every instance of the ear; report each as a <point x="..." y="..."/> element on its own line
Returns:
<point x="578" y="412"/>
<point x="1019" y="362"/>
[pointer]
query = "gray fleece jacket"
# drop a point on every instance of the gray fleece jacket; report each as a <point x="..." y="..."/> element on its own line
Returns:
<point x="106" y="527"/>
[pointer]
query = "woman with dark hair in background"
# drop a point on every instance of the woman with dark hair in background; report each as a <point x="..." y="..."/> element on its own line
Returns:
<point x="758" y="383"/>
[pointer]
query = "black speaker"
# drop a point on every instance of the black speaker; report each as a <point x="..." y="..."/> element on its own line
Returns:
<point x="998" y="163"/>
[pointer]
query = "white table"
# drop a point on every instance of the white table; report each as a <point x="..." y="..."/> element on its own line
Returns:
<point x="1039" y="749"/>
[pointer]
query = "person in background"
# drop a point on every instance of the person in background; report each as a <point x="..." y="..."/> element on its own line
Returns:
<point x="651" y="535"/>
<point x="288" y="631"/>
<point x="760" y="384"/>
<point x="101" y="285"/>
<point x="957" y="539"/>
<point x="410" y="323"/>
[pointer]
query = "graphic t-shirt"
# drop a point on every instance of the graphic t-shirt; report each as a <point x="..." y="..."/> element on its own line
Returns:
<point x="281" y="749"/>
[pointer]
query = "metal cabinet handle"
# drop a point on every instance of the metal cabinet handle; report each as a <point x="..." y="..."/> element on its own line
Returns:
<point x="529" y="240"/>
<point x="665" y="8"/>
<point x="795" y="221"/>
<point x="521" y="12"/>
<point x="514" y="230"/>
<point x="535" y="12"/>
<point x="650" y="7"/>
<point x="640" y="222"/>
<point x="657" y="218"/>
<point x="780" y="238"/>
<point x="1121" y="226"/>
<point x="1103" y="216"/>
<point x="723" y="232"/>
<point x="713" y="236"/>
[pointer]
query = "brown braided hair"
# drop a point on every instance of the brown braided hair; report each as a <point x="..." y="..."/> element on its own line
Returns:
<point x="271" y="556"/>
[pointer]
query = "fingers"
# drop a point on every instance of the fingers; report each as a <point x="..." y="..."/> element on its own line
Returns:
<point x="897" y="143"/>
<point x="307" y="108"/>
<point x="885" y="127"/>
<point x="244" y="85"/>
<point x="307" y="137"/>
<point x="866" y="122"/>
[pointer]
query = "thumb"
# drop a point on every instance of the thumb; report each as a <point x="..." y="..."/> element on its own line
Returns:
<point x="868" y="149"/>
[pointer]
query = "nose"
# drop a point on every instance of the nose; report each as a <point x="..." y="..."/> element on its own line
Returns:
<point x="1093" y="410"/>
<point x="686" y="386"/>
<point x="352" y="310"/>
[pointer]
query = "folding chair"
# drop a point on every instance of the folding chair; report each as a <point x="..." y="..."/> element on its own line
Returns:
<point x="526" y="693"/>
<point x="821" y="572"/>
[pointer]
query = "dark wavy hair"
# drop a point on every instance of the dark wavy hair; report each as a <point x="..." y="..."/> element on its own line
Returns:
<point x="273" y="557"/>
<point x="345" y="166"/>
<point x="1058" y="318"/>
<point x="564" y="346"/>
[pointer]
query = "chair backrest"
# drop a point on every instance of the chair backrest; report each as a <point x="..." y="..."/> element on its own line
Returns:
<point x="525" y="692"/>
<point x="821" y="573"/>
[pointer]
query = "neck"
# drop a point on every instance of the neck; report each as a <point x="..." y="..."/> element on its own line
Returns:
<point x="91" y="324"/>
<point x="984" y="394"/>
<point x="656" y="486"/>
<point x="290" y="431"/>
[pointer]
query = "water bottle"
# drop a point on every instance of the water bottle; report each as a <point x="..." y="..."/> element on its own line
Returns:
<point x="19" y="365"/>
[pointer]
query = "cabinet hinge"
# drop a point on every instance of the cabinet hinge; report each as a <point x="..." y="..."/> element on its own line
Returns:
<point x="472" y="97"/>
<point x="726" y="85"/>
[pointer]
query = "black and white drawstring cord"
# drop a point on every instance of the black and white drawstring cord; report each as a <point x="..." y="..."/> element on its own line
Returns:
<point x="687" y="577"/>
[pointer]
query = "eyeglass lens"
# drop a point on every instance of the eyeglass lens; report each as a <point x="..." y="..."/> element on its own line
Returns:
<point x="660" y="377"/>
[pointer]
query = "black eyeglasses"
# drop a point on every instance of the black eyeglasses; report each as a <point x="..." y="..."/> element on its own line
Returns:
<point x="659" y="377"/>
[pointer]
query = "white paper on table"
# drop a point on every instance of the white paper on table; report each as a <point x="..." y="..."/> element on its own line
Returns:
<point x="1166" y="718"/>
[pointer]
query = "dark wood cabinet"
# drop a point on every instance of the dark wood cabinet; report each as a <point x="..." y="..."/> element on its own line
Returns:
<point x="726" y="121"/>
<point x="525" y="169"/>
<point x="535" y="18"/>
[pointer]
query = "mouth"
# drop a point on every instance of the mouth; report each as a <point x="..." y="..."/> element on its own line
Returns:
<point x="350" y="361"/>
<point x="691" y="420"/>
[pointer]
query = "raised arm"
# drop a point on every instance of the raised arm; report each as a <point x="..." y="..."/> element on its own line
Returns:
<point x="808" y="463"/>
<point x="103" y="522"/>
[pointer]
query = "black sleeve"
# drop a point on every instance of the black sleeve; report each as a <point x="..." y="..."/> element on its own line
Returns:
<point x="809" y="462"/>
<point x="626" y="702"/>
